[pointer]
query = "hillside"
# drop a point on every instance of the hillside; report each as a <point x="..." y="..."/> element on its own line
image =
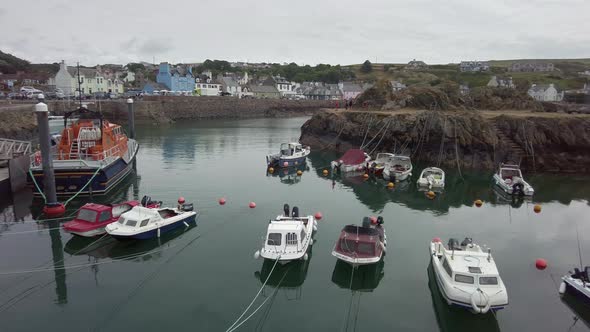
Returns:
<point x="565" y="77"/>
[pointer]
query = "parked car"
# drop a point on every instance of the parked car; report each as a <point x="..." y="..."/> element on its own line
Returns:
<point x="225" y="94"/>
<point x="2" y="95"/>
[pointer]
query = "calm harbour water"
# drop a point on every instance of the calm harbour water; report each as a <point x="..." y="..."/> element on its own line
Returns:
<point x="202" y="278"/>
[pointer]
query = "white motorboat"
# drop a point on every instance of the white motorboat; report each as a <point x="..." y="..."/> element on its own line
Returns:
<point x="288" y="237"/>
<point x="353" y="160"/>
<point x="467" y="276"/>
<point x="576" y="282"/>
<point x="398" y="169"/>
<point x="291" y="154"/>
<point x="432" y="178"/>
<point x="142" y="223"/>
<point x="509" y="178"/>
<point x="382" y="161"/>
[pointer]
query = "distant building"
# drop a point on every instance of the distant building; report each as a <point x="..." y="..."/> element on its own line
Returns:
<point x="208" y="89"/>
<point x="130" y="77"/>
<point x="416" y="65"/>
<point x="464" y="89"/>
<point x="320" y="91"/>
<point x="531" y="67"/>
<point x="286" y="88"/>
<point x="501" y="82"/>
<point x="151" y="87"/>
<point x="243" y="80"/>
<point x="585" y="72"/>
<point x="229" y="85"/>
<point x="397" y="86"/>
<point x="350" y="90"/>
<point x="23" y="78"/>
<point x="474" y="66"/>
<point x="177" y="78"/>
<point x="92" y="81"/>
<point x="543" y="92"/>
<point x="263" y="91"/>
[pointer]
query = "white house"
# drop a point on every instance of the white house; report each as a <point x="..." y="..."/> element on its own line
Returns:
<point x="207" y="88"/>
<point x="542" y="92"/>
<point x="501" y="82"/>
<point x="244" y="79"/>
<point x="130" y="77"/>
<point x="286" y="88"/>
<point x="91" y="81"/>
<point x="229" y="85"/>
<point x="474" y="66"/>
<point x="397" y="86"/>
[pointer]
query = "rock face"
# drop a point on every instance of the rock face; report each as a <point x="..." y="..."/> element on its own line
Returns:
<point x="463" y="139"/>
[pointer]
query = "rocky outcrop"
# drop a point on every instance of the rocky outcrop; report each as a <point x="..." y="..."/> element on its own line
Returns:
<point x="459" y="138"/>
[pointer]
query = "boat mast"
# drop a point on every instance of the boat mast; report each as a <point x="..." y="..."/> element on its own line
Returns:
<point x="79" y="85"/>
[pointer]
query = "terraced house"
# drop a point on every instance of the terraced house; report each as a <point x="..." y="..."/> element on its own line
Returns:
<point x="179" y="78"/>
<point x="92" y="81"/>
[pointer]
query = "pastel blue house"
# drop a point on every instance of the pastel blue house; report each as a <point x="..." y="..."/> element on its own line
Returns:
<point x="176" y="78"/>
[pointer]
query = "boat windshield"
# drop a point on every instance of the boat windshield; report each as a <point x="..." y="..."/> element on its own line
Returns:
<point x="358" y="247"/>
<point x="508" y="173"/>
<point x="87" y="215"/>
<point x="286" y="149"/>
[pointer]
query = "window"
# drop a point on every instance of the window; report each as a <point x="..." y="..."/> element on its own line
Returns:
<point x="347" y="245"/>
<point x="447" y="268"/>
<point x="131" y="223"/>
<point x="144" y="222"/>
<point x="464" y="279"/>
<point x="87" y="215"/>
<point x="291" y="239"/>
<point x="488" y="280"/>
<point x="104" y="216"/>
<point x="121" y="220"/>
<point x="366" y="248"/>
<point x="274" y="239"/>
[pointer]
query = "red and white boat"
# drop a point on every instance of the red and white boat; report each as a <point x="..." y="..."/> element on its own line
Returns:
<point x="361" y="245"/>
<point x="353" y="160"/>
<point x="92" y="218"/>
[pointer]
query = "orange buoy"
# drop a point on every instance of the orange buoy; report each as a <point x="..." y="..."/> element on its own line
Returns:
<point x="271" y="170"/>
<point x="366" y="176"/>
<point x="537" y="208"/>
<point x="222" y="201"/>
<point x="390" y="185"/>
<point x="299" y="173"/>
<point x="478" y="203"/>
<point x="430" y="194"/>
<point x="54" y="210"/>
<point x="541" y="264"/>
<point x="325" y="172"/>
<point x="252" y="205"/>
<point x="318" y="216"/>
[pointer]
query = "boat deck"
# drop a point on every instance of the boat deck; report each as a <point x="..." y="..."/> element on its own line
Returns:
<point x="466" y="261"/>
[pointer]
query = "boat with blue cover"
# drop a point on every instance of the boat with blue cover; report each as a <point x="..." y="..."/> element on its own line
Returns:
<point x="291" y="154"/>
<point x="142" y="223"/>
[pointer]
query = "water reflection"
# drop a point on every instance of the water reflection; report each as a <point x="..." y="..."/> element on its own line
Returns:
<point x="454" y="319"/>
<point x="289" y="175"/>
<point x="61" y="289"/>
<point x="580" y="309"/>
<point x="461" y="189"/>
<point x="366" y="278"/>
<point x="288" y="277"/>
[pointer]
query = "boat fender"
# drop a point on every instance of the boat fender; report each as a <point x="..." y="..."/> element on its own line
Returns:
<point x="315" y="227"/>
<point x="185" y="224"/>
<point x="295" y="212"/>
<point x="474" y="306"/>
<point x="305" y="257"/>
<point x="257" y="254"/>
<point x="286" y="209"/>
<point x="158" y="232"/>
<point x="562" y="288"/>
<point x="310" y="242"/>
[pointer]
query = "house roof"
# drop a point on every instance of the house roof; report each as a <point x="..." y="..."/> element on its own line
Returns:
<point x="86" y="72"/>
<point x="229" y="81"/>
<point x="263" y="89"/>
<point x="540" y="87"/>
<point x="156" y="86"/>
<point x="351" y="87"/>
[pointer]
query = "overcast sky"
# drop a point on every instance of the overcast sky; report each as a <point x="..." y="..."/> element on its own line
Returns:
<point x="302" y="31"/>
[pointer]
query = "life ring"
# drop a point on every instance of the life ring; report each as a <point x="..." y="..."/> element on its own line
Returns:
<point x="37" y="158"/>
<point x="474" y="306"/>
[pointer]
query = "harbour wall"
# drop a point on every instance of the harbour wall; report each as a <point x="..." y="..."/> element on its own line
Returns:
<point x="460" y="139"/>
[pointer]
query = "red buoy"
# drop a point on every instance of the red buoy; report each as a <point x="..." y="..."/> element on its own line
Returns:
<point x="180" y="200"/>
<point x="286" y="163"/>
<point x="318" y="216"/>
<point x="436" y="239"/>
<point x="373" y="220"/>
<point x="541" y="264"/>
<point x="252" y="205"/>
<point x="54" y="210"/>
<point x="222" y="201"/>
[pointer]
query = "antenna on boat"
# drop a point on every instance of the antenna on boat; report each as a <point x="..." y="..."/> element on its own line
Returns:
<point x="79" y="85"/>
<point x="452" y="252"/>
<point x="579" y="247"/>
<point x="489" y="254"/>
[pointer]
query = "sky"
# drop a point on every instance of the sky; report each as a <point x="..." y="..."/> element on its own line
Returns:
<point x="302" y="31"/>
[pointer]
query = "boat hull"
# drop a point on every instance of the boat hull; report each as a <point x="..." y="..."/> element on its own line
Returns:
<point x="153" y="233"/>
<point x="576" y="286"/>
<point x="396" y="176"/>
<point x="528" y="190"/>
<point x="70" y="180"/>
<point x="89" y="233"/>
<point x="356" y="261"/>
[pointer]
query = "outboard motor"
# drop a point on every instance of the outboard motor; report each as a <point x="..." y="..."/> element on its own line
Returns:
<point x="187" y="207"/>
<point x="467" y="241"/>
<point x="454" y="244"/>
<point x="295" y="212"/>
<point x="286" y="209"/>
<point x="380" y="220"/>
<point x="145" y="201"/>
<point x="366" y="222"/>
<point x="518" y="189"/>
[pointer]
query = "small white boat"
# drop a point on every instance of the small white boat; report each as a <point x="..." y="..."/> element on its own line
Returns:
<point x="577" y="282"/>
<point x="467" y="276"/>
<point x="288" y="237"/>
<point x="291" y="154"/>
<point x="509" y="178"/>
<point x="382" y="161"/>
<point x="432" y="178"/>
<point x="398" y="169"/>
<point x="142" y="223"/>
<point x="353" y="160"/>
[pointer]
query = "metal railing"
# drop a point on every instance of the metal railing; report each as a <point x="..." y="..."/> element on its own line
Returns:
<point x="81" y="158"/>
<point x="12" y="148"/>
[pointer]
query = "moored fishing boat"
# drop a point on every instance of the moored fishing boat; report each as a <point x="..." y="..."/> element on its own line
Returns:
<point x="382" y="161"/>
<point x="353" y="160"/>
<point x="432" y="178"/>
<point x="398" y="169"/>
<point x="509" y="178"/>
<point x="291" y="154"/>
<point x="361" y="245"/>
<point x="92" y="219"/>
<point x="143" y="223"/>
<point x="467" y="276"/>
<point x="288" y="237"/>
<point x="91" y="156"/>
<point x="578" y="282"/>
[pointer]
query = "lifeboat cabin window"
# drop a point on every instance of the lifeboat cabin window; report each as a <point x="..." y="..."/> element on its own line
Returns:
<point x="447" y="268"/>
<point x="104" y="216"/>
<point x="291" y="239"/>
<point x="87" y="215"/>
<point x="274" y="239"/>
<point x="464" y="279"/>
<point x="144" y="222"/>
<point x="488" y="280"/>
<point x="131" y="223"/>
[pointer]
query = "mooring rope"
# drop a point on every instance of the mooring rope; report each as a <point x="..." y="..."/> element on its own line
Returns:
<point x="37" y="186"/>
<point x="84" y="187"/>
<point x="367" y="132"/>
<point x="376" y="135"/>
<point x="375" y="148"/>
<point x="457" y="152"/>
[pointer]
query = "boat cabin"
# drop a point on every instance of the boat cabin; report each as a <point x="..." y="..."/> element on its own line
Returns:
<point x="401" y="163"/>
<point x="508" y="172"/>
<point x="361" y="242"/>
<point x="468" y="265"/>
<point x="384" y="158"/>
<point x="286" y="234"/>
<point x="96" y="213"/>
<point x="290" y="149"/>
